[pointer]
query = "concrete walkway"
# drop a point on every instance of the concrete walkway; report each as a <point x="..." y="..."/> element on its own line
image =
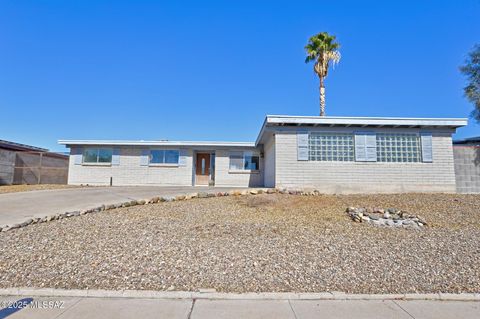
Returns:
<point x="118" y="308"/>
<point x="17" y="207"/>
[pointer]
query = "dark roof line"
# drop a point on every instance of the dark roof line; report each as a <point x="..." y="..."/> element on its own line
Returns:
<point x="20" y="147"/>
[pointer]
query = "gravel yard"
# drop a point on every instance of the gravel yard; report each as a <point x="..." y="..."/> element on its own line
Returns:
<point x="251" y="244"/>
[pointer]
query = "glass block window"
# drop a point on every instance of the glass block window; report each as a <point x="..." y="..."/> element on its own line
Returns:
<point x="398" y="147"/>
<point x="330" y="147"/>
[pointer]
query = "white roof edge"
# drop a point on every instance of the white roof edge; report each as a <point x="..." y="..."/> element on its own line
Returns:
<point x="352" y="121"/>
<point x="456" y="122"/>
<point x="156" y="143"/>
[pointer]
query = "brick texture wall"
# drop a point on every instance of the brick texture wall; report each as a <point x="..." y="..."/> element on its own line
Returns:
<point x="365" y="177"/>
<point x="467" y="168"/>
<point x="130" y="172"/>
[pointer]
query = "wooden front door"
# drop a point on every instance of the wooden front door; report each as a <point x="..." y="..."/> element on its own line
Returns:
<point x="202" y="170"/>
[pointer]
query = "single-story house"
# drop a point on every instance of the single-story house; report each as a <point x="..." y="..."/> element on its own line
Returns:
<point x="331" y="154"/>
<point x="466" y="154"/>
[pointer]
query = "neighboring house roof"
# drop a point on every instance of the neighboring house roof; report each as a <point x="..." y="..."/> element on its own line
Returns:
<point x="272" y="121"/>
<point x="336" y="121"/>
<point x="20" y="147"/>
<point x="468" y="141"/>
<point x="156" y="143"/>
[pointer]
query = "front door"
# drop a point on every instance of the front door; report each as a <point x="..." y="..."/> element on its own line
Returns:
<point x="202" y="171"/>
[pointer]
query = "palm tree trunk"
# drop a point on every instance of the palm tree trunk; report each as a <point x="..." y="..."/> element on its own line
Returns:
<point x="322" y="96"/>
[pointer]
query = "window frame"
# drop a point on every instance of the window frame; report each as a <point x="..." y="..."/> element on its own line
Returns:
<point x="393" y="148"/>
<point x="164" y="156"/>
<point x="97" y="162"/>
<point x="243" y="156"/>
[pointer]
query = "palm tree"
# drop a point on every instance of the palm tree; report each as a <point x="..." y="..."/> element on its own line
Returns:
<point x="322" y="49"/>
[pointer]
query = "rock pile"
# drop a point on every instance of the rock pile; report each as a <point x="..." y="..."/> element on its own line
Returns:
<point x="390" y="217"/>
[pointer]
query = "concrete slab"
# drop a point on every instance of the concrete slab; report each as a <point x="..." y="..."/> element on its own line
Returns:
<point x="18" y="207"/>
<point x="368" y="309"/>
<point x="38" y="308"/>
<point x="232" y="309"/>
<point x="424" y="309"/>
<point x="95" y="308"/>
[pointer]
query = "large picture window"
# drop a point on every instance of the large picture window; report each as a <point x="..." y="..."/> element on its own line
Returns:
<point x="164" y="156"/>
<point x="398" y="147"/>
<point x="97" y="155"/>
<point x="330" y="147"/>
<point x="244" y="161"/>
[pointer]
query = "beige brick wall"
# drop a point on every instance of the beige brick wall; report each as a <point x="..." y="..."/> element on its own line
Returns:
<point x="269" y="160"/>
<point x="130" y="172"/>
<point x="224" y="177"/>
<point x="467" y="168"/>
<point x="365" y="177"/>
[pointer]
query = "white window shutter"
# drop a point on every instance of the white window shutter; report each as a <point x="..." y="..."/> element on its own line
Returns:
<point x="182" y="160"/>
<point x="77" y="153"/>
<point x="427" y="151"/>
<point x="360" y="147"/>
<point x="302" y="146"/>
<point x="144" y="158"/>
<point x="116" y="156"/>
<point x="371" y="147"/>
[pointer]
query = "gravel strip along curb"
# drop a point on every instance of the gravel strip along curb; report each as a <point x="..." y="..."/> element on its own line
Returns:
<point x="159" y="199"/>
<point x="211" y="294"/>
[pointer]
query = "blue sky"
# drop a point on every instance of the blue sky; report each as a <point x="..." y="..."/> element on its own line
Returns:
<point x="211" y="70"/>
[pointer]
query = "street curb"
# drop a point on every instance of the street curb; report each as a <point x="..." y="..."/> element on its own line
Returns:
<point x="212" y="295"/>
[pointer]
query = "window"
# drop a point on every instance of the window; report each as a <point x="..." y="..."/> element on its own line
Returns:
<point x="398" y="147"/>
<point x="164" y="156"/>
<point x="244" y="161"/>
<point x="330" y="147"/>
<point x="97" y="155"/>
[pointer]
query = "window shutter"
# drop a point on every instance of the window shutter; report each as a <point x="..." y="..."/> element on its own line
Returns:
<point x="365" y="147"/>
<point x="144" y="158"/>
<point x="427" y="151"/>
<point x="302" y="146"/>
<point x="77" y="153"/>
<point x="182" y="160"/>
<point x="360" y="149"/>
<point x="371" y="147"/>
<point x="116" y="156"/>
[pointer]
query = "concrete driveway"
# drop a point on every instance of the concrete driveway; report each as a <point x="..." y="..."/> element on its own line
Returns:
<point x="17" y="207"/>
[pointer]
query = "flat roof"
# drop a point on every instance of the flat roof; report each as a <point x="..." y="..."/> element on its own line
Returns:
<point x="468" y="140"/>
<point x="293" y="121"/>
<point x="157" y="143"/>
<point x="338" y="121"/>
<point x="365" y="121"/>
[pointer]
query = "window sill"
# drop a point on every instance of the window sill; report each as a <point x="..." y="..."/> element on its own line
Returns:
<point x="245" y="171"/>
<point x="96" y="164"/>
<point x="163" y="165"/>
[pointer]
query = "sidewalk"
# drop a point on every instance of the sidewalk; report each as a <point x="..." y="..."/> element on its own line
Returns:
<point x="145" y="308"/>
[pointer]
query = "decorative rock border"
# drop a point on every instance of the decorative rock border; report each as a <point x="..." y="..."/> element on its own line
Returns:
<point x="159" y="199"/>
<point x="390" y="217"/>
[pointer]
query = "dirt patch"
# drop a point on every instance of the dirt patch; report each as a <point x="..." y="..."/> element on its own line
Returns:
<point x="26" y="188"/>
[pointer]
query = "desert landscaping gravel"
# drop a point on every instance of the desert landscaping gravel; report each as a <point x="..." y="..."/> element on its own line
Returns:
<point x="261" y="243"/>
